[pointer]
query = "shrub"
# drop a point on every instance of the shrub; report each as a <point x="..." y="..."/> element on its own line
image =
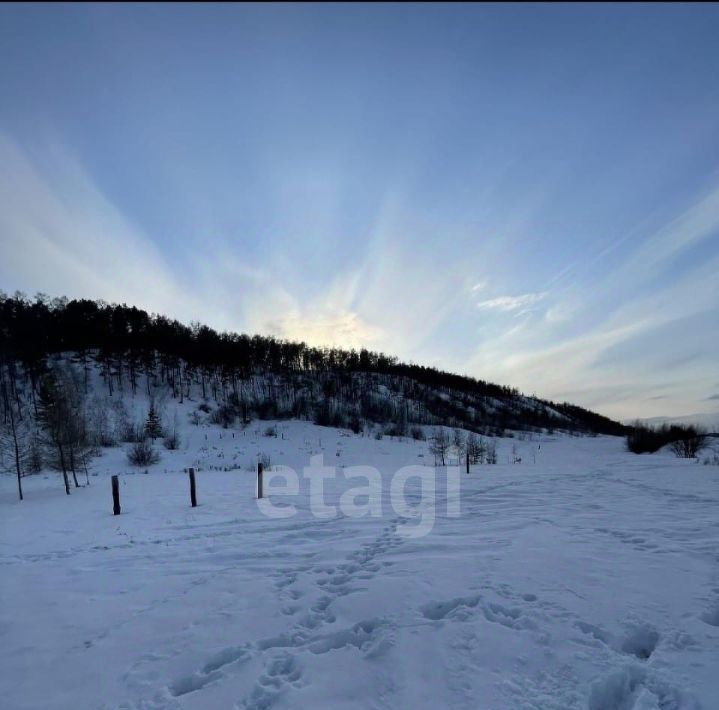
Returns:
<point x="104" y="438"/>
<point x="266" y="409"/>
<point x="224" y="415"/>
<point x="172" y="441"/>
<point x="204" y="407"/>
<point x="689" y="446"/>
<point x="133" y="432"/>
<point x="417" y="433"/>
<point x="271" y="431"/>
<point x="142" y="454"/>
<point x="355" y="425"/>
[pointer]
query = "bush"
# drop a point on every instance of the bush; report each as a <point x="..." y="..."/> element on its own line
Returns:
<point x="417" y="433"/>
<point x="142" y="454"/>
<point x="689" y="446"/>
<point x="104" y="438"/>
<point x="204" y="407"/>
<point x="133" y="432"/>
<point x="266" y="409"/>
<point x="172" y="441"/>
<point x="224" y="415"/>
<point x="271" y="431"/>
<point x="327" y="414"/>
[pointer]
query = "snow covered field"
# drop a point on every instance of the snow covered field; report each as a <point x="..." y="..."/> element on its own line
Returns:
<point x="582" y="577"/>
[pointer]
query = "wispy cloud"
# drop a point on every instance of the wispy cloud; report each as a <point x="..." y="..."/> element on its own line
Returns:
<point x="62" y="234"/>
<point x="698" y="223"/>
<point x="511" y="303"/>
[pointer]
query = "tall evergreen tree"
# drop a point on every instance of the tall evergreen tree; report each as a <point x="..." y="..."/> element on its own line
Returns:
<point x="153" y="426"/>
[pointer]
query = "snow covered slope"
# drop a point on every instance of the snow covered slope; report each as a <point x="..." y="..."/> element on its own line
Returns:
<point x="582" y="577"/>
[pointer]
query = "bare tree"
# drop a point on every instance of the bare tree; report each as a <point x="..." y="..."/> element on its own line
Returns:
<point x="459" y="441"/>
<point x="10" y="438"/>
<point x="172" y="440"/>
<point x="439" y="445"/>
<point x="100" y="429"/>
<point x="491" y="454"/>
<point x="476" y="449"/>
<point x="78" y="440"/>
<point x="689" y="446"/>
<point x="54" y="413"/>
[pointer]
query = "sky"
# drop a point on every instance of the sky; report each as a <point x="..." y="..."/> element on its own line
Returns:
<point x="528" y="194"/>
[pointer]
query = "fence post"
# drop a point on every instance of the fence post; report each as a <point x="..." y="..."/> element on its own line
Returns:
<point x="259" y="479"/>
<point x="193" y="495"/>
<point x="467" y="461"/>
<point x="115" y="496"/>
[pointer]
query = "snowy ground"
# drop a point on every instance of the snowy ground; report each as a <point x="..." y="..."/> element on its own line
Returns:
<point x="582" y="577"/>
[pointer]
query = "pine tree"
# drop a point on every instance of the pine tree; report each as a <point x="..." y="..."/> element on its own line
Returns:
<point x="153" y="426"/>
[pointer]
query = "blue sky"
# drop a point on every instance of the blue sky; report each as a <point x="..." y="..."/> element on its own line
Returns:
<point x="528" y="194"/>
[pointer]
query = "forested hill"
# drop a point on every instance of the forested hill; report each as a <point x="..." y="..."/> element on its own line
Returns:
<point x="329" y="385"/>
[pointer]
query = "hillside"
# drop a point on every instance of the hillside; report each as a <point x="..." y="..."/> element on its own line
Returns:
<point x="261" y="377"/>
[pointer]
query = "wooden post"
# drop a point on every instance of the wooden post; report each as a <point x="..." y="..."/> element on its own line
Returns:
<point x="467" y="459"/>
<point x="193" y="495"/>
<point x="259" y="479"/>
<point x="115" y="496"/>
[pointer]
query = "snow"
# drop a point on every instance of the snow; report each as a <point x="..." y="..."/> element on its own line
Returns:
<point x="583" y="577"/>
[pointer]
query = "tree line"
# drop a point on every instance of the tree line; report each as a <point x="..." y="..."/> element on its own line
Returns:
<point x="127" y="340"/>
